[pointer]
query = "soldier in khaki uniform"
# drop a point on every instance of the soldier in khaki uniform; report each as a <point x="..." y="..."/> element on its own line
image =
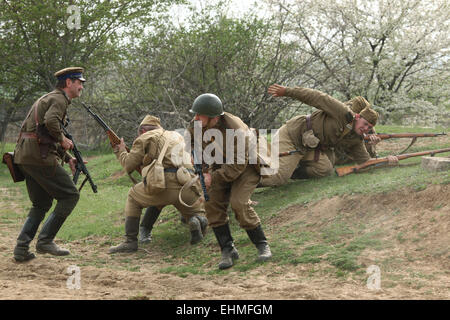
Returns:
<point x="146" y="148"/>
<point x="317" y="134"/>
<point x="40" y="148"/>
<point x="229" y="182"/>
<point x="341" y="156"/>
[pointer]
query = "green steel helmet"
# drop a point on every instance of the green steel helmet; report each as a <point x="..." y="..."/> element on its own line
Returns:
<point x="207" y="104"/>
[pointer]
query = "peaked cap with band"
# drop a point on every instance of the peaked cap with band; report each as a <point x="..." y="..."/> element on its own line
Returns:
<point x="70" y="73"/>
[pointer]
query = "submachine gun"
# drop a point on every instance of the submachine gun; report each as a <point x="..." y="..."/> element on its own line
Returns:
<point x="80" y="166"/>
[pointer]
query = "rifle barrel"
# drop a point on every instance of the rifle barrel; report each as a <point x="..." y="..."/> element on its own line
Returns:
<point x="405" y="135"/>
<point x="97" y="118"/>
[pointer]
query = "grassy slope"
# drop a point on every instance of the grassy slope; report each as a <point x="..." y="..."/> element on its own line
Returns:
<point x="339" y="243"/>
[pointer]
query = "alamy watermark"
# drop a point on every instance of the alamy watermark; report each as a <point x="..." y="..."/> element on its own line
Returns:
<point x="374" y="280"/>
<point x="240" y="145"/>
<point x="74" y="20"/>
<point x="74" y="280"/>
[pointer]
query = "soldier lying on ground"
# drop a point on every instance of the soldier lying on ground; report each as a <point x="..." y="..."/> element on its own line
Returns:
<point x="316" y="135"/>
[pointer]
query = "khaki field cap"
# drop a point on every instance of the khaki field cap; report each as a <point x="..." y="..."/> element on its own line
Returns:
<point x="357" y="104"/>
<point x="151" y="121"/>
<point x="370" y="115"/>
<point x="70" y="73"/>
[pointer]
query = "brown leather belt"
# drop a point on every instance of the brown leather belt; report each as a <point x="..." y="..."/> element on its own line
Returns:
<point x="30" y="135"/>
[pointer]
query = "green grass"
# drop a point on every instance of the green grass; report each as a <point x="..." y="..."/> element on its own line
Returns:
<point x="338" y="243"/>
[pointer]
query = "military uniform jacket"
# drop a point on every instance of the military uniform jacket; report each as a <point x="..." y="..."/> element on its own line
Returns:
<point x="51" y="110"/>
<point x="147" y="148"/>
<point x="227" y="172"/>
<point x="328" y="123"/>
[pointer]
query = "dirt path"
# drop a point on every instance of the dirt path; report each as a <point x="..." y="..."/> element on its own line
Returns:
<point x="416" y="268"/>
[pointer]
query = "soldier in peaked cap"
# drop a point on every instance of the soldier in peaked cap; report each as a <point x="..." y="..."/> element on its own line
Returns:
<point x="150" y="144"/>
<point x="317" y="134"/>
<point x="40" y="149"/>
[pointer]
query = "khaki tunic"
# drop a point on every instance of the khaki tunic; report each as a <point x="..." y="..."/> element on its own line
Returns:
<point x="342" y="156"/>
<point x="232" y="183"/>
<point x="145" y="149"/>
<point x="329" y="126"/>
<point x="51" y="110"/>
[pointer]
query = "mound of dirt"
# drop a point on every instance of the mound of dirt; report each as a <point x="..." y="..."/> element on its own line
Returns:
<point x="414" y="259"/>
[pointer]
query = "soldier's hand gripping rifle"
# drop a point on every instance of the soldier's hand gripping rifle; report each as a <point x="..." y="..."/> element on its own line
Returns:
<point x="199" y="171"/>
<point x="342" y="171"/>
<point x="80" y="167"/>
<point x="112" y="136"/>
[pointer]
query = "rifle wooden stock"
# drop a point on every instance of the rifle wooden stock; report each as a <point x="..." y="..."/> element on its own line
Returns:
<point x="287" y="153"/>
<point x="114" y="140"/>
<point x="384" y="136"/>
<point x="342" y="171"/>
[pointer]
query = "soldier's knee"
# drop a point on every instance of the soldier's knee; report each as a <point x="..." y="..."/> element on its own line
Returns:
<point x="238" y="206"/>
<point x="274" y="180"/>
<point x="43" y="205"/>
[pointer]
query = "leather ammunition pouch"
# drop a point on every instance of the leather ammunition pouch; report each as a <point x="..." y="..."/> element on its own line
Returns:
<point x="16" y="174"/>
<point x="44" y="140"/>
<point x="309" y="140"/>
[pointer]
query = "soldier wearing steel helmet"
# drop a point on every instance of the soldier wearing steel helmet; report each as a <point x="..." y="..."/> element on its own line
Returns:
<point x="317" y="134"/>
<point x="228" y="183"/>
<point x="39" y="150"/>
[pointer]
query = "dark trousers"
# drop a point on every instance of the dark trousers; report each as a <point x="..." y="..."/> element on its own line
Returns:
<point x="44" y="184"/>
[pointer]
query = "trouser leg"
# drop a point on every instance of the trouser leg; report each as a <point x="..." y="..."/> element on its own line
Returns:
<point x="45" y="184"/>
<point x="286" y="165"/>
<point x="310" y="168"/>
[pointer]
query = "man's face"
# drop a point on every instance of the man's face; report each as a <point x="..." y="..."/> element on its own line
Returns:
<point x="362" y="126"/>
<point x="74" y="88"/>
<point x="206" y="121"/>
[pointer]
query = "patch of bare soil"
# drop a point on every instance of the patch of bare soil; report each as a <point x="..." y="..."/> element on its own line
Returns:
<point x="414" y="259"/>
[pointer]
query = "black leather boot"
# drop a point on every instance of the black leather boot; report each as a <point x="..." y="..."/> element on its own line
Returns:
<point x="146" y="227"/>
<point x="203" y="224"/>
<point x="259" y="240"/>
<point x="300" y="173"/>
<point x="196" y="230"/>
<point x="131" y="233"/>
<point x="229" y="252"/>
<point x="29" y="229"/>
<point x="45" y="242"/>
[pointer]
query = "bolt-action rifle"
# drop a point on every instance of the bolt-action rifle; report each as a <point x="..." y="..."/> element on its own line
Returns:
<point x="80" y="166"/>
<point x="414" y="136"/>
<point x="384" y="136"/>
<point x="342" y="171"/>
<point x="112" y="136"/>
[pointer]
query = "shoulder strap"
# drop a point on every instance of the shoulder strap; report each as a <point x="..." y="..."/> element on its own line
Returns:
<point x="164" y="149"/>
<point x="33" y="107"/>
